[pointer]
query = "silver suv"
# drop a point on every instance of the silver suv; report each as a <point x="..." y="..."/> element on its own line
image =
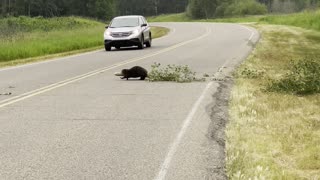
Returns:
<point x="125" y="31"/>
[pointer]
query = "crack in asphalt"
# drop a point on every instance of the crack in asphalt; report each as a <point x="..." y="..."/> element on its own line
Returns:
<point x="218" y="111"/>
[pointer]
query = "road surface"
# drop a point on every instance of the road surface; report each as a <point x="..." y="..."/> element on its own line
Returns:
<point x="71" y="118"/>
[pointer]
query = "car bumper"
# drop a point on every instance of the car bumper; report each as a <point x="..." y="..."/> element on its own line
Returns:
<point x="132" y="40"/>
<point x="122" y="42"/>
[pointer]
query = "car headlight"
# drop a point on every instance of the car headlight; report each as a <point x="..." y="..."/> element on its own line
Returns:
<point x="107" y="33"/>
<point x="135" y="32"/>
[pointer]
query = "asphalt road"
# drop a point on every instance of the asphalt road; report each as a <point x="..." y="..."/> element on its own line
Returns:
<point x="71" y="118"/>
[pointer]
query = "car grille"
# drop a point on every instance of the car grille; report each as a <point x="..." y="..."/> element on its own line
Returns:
<point x="121" y="34"/>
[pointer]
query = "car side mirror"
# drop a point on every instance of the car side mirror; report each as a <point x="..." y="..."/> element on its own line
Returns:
<point x="106" y="27"/>
<point x="144" y="25"/>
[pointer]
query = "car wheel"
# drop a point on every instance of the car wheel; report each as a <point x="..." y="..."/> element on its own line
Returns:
<point x="141" y="45"/>
<point x="107" y="47"/>
<point x="148" y="44"/>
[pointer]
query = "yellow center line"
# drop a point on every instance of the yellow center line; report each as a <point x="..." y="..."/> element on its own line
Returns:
<point x="50" y="87"/>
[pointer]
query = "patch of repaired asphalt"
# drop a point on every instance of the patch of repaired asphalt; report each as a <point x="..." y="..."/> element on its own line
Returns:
<point x="218" y="111"/>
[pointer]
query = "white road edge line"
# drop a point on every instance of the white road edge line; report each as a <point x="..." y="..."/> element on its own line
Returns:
<point x="174" y="146"/>
<point x="252" y="32"/>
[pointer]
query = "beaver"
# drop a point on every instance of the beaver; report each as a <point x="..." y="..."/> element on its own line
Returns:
<point x="134" y="72"/>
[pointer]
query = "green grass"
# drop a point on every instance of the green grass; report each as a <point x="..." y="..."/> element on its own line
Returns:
<point x="307" y="19"/>
<point x="181" y="17"/>
<point x="25" y="39"/>
<point x="159" y="31"/>
<point x="36" y="44"/>
<point x="13" y="25"/>
<point x="274" y="135"/>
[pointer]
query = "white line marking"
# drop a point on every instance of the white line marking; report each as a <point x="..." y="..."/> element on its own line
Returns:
<point x="30" y="94"/>
<point x="173" y="31"/>
<point x="173" y="148"/>
<point x="252" y="32"/>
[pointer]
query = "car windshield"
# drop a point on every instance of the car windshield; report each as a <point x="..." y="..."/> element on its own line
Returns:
<point x="125" y="22"/>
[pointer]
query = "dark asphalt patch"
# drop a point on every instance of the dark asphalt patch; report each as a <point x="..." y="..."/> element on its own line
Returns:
<point x="218" y="111"/>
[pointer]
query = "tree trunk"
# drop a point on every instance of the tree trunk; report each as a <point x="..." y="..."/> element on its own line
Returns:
<point x="270" y="5"/>
<point x="156" y="7"/>
<point x="4" y="7"/>
<point x="9" y="7"/>
<point x="29" y="8"/>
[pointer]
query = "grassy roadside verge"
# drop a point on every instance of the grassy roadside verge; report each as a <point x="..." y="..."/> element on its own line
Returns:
<point x="158" y="32"/>
<point x="273" y="135"/>
<point x="24" y="40"/>
<point x="181" y="17"/>
<point x="25" y="37"/>
<point x="307" y="19"/>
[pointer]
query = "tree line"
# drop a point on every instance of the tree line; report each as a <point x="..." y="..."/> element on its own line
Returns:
<point x="151" y="7"/>
<point x="100" y="9"/>
<point x="51" y="8"/>
<point x="105" y="9"/>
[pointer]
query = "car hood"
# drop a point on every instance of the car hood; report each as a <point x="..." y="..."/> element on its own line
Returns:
<point x="123" y="29"/>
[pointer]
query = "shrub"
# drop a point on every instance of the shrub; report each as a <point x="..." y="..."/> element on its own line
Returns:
<point x="245" y="7"/>
<point x="172" y="73"/>
<point x="251" y="73"/>
<point x="302" y="78"/>
<point x="195" y="9"/>
<point x="221" y="9"/>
